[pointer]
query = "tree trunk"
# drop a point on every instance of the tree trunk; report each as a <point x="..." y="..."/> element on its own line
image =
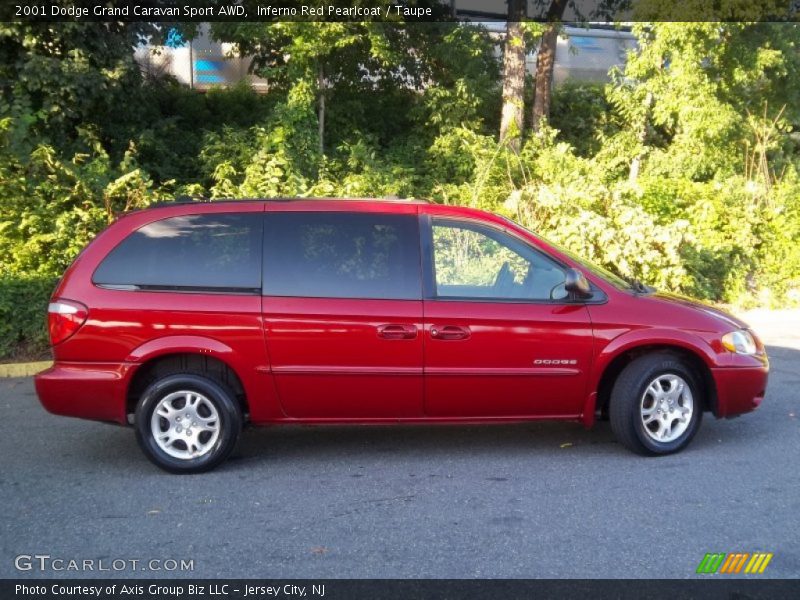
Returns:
<point x="511" y="121"/>
<point x="544" y="75"/>
<point x="545" y="62"/>
<point x="321" y="108"/>
<point x="641" y="137"/>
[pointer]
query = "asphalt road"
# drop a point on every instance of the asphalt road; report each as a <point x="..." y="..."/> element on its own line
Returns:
<point x="532" y="500"/>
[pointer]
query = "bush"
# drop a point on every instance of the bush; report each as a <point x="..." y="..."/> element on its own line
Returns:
<point x="23" y="321"/>
<point x="581" y="113"/>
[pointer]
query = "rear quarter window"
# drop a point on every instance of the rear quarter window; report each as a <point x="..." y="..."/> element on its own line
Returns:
<point x="215" y="252"/>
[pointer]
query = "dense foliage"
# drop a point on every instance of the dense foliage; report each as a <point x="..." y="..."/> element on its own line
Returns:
<point x="681" y="172"/>
<point x="23" y="321"/>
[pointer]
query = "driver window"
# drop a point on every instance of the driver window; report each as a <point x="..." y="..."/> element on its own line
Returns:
<point x="472" y="261"/>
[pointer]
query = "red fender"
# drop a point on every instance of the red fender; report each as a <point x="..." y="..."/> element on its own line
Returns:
<point x="641" y="337"/>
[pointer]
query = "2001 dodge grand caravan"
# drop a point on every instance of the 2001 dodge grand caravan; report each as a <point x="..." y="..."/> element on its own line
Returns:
<point x="190" y="319"/>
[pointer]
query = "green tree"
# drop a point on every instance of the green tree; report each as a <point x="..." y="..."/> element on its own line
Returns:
<point x="64" y="82"/>
<point x="689" y="88"/>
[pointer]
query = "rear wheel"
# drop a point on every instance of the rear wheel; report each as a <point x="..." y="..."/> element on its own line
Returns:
<point x="656" y="405"/>
<point x="187" y="423"/>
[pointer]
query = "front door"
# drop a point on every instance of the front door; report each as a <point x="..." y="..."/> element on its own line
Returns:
<point x="502" y="337"/>
<point x="343" y="312"/>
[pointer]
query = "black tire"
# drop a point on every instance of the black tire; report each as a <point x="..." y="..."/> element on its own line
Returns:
<point x="627" y="396"/>
<point x="229" y="422"/>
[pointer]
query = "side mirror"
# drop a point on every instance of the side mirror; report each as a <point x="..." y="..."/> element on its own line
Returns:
<point x="576" y="283"/>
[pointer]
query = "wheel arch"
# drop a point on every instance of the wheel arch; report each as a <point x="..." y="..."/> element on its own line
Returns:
<point x="184" y="361"/>
<point x="614" y="364"/>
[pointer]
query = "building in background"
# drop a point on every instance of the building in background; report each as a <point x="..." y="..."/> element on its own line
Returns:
<point x="589" y="54"/>
<point x="201" y="63"/>
<point x="583" y="54"/>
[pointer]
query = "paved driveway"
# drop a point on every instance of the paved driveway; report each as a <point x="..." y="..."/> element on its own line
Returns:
<point x="534" y="500"/>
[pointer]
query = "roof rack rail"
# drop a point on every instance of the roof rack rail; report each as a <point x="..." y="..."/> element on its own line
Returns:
<point x="340" y="199"/>
<point x="186" y="199"/>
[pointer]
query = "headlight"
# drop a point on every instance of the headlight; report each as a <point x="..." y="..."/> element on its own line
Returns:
<point x="741" y="342"/>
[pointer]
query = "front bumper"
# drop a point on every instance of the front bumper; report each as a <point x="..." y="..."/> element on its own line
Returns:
<point x="739" y="389"/>
<point x="94" y="391"/>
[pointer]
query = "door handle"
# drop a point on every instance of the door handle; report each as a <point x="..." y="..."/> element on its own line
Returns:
<point x="397" y="332"/>
<point x="450" y="332"/>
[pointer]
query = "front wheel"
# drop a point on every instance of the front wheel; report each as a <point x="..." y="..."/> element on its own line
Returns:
<point x="656" y="405"/>
<point x="187" y="423"/>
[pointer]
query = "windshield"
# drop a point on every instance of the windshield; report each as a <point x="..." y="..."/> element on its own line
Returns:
<point x="607" y="275"/>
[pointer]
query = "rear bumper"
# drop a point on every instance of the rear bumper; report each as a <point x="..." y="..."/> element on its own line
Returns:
<point x="739" y="390"/>
<point x="86" y="390"/>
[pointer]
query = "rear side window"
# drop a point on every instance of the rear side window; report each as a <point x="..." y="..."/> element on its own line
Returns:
<point x="341" y="255"/>
<point x="211" y="252"/>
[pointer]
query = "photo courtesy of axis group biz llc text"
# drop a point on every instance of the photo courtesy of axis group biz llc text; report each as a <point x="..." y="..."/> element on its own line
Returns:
<point x="430" y="299"/>
<point x="167" y="589"/>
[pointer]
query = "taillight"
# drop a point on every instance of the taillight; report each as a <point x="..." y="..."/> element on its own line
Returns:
<point x="64" y="318"/>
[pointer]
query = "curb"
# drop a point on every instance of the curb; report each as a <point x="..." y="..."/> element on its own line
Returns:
<point x="24" y="369"/>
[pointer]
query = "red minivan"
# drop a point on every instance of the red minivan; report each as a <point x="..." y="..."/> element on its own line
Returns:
<point x="190" y="319"/>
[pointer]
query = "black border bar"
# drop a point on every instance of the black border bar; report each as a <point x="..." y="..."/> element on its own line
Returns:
<point x="715" y="588"/>
<point x="409" y="11"/>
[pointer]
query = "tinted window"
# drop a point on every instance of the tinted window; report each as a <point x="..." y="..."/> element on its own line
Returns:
<point x="341" y="255"/>
<point x="215" y="251"/>
<point x="471" y="261"/>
